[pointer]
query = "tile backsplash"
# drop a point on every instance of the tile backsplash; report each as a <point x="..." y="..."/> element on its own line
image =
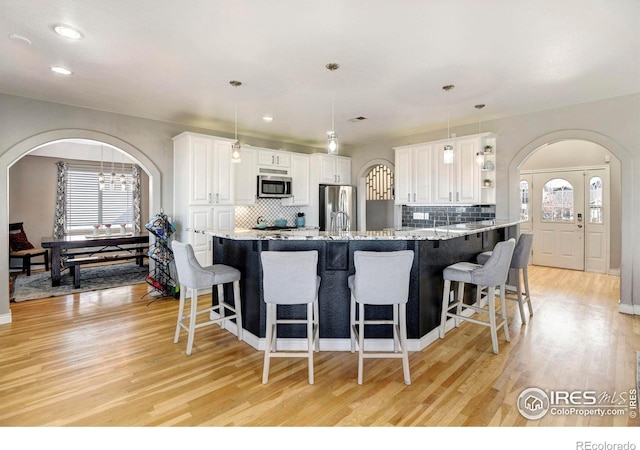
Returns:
<point x="269" y="208"/>
<point x="457" y="214"/>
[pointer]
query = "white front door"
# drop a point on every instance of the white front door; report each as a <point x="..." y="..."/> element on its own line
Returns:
<point x="558" y="219"/>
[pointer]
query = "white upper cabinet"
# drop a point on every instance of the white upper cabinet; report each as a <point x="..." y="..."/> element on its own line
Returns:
<point x="332" y="169"/>
<point x="223" y="174"/>
<point x="245" y="177"/>
<point x="413" y="174"/>
<point x="300" y="184"/>
<point x="274" y="158"/>
<point x="423" y="178"/>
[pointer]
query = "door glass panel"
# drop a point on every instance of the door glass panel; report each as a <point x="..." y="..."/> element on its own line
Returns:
<point x="557" y="201"/>
<point x="524" y="200"/>
<point x="595" y="200"/>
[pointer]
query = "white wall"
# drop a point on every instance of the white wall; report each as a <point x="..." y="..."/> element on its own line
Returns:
<point x="612" y="123"/>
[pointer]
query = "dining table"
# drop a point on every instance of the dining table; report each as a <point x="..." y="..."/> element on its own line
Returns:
<point x="69" y="245"/>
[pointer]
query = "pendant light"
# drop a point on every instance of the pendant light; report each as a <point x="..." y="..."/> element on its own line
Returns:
<point x="332" y="136"/>
<point x="235" y="148"/>
<point x="448" y="148"/>
<point x="480" y="154"/>
<point x="112" y="180"/>
<point x="123" y="178"/>
<point x="101" y="174"/>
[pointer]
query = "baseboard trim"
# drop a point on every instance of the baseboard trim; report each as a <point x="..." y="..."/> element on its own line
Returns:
<point x="5" y="318"/>
<point x="614" y="272"/>
<point x="629" y="309"/>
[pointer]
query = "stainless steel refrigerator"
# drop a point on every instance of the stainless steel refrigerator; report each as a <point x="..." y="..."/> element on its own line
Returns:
<point x="337" y="208"/>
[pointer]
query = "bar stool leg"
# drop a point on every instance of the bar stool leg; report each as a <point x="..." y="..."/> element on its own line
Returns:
<point x="525" y="275"/>
<point x="459" y="301"/>
<point x="221" y="305"/>
<point x="237" y="301"/>
<point x="316" y="326"/>
<point x="503" y="306"/>
<point x="183" y="294"/>
<point x="491" y="300"/>
<point x="310" y="339"/>
<point x="445" y="307"/>
<point x="361" y="343"/>
<point x="192" y="320"/>
<point x="268" y="341"/>
<point x="352" y="323"/>
<point x="396" y="335"/>
<point x="403" y="339"/>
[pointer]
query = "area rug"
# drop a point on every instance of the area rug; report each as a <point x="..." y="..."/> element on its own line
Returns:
<point x="38" y="285"/>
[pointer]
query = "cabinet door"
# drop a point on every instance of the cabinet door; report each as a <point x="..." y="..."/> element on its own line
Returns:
<point x="403" y="177"/>
<point x="200" y="170"/>
<point x="201" y="219"/>
<point x="300" y="181"/>
<point x="422" y="174"/>
<point x="223" y="174"/>
<point x="443" y="176"/>
<point x="343" y="170"/>
<point x="467" y="171"/>
<point x="223" y="218"/>
<point x="327" y="169"/>
<point x="245" y="178"/>
<point x="273" y="158"/>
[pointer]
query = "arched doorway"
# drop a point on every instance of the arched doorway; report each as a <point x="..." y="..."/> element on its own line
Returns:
<point x="376" y="210"/>
<point x="23" y="148"/>
<point x="626" y="198"/>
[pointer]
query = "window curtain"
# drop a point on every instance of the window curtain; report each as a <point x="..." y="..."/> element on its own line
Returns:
<point x="60" y="218"/>
<point x="137" y="198"/>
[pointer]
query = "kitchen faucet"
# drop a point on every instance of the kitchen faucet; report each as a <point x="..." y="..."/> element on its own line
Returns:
<point x="446" y="214"/>
<point x="340" y="222"/>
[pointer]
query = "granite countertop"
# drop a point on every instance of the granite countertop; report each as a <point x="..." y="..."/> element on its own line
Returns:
<point x="311" y="233"/>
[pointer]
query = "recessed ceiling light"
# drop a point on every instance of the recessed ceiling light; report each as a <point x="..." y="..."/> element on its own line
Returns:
<point x="267" y="118"/>
<point x="61" y="70"/>
<point x="67" y="31"/>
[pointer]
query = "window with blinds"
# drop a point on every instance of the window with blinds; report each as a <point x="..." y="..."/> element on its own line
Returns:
<point x="379" y="183"/>
<point x="88" y="205"/>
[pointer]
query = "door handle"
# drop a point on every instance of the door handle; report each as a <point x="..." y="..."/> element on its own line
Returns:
<point x="579" y="226"/>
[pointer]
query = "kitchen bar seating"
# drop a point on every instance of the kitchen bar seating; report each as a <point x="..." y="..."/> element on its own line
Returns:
<point x="493" y="274"/>
<point x="381" y="278"/>
<point x="193" y="276"/>
<point x="290" y="278"/>
<point x="519" y="262"/>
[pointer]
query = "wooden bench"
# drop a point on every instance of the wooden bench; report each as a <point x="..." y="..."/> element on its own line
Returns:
<point x="104" y="256"/>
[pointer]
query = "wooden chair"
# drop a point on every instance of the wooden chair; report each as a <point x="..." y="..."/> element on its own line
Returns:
<point x="21" y="248"/>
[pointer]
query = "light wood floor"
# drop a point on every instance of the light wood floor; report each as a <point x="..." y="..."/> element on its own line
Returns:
<point x="107" y="358"/>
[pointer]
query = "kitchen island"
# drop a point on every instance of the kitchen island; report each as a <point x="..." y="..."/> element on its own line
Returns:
<point x="434" y="249"/>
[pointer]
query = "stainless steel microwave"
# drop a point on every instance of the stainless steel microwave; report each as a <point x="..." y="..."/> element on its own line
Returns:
<point x="270" y="186"/>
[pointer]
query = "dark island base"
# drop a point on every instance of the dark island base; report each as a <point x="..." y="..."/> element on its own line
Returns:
<point x="335" y="264"/>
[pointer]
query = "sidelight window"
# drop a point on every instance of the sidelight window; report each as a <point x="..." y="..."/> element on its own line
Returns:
<point x="595" y="200"/>
<point x="524" y="200"/>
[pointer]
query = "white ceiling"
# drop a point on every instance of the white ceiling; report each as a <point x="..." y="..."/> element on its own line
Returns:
<point x="173" y="60"/>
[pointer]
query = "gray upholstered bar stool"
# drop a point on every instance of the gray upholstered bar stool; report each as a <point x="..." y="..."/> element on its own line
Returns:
<point x="381" y="278"/>
<point x="191" y="275"/>
<point x="493" y="273"/>
<point x="519" y="262"/>
<point x="290" y="278"/>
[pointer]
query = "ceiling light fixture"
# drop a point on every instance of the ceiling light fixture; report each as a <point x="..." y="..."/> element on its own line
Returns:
<point x="332" y="136"/>
<point x="67" y="31"/>
<point x="61" y="70"/>
<point x="235" y="148"/>
<point x="448" y="148"/>
<point x="480" y="154"/>
<point x="267" y="118"/>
